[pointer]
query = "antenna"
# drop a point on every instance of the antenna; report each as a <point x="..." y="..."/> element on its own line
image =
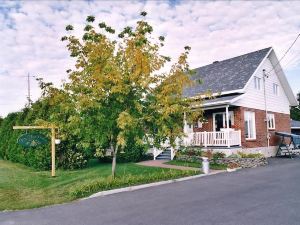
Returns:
<point x="28" y="88"/>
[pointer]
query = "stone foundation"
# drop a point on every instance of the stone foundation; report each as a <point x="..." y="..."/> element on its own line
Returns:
<point x="244" y="162"/>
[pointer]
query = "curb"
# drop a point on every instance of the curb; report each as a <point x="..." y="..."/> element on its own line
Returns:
<point x="142" y="186"/>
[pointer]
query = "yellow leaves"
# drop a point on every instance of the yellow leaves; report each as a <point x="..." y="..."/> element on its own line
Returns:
<point x="121" y="139"/>
<point x="125" y="120"/>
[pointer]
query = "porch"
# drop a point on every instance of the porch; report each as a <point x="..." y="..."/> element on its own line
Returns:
<point x="226" y="138"/>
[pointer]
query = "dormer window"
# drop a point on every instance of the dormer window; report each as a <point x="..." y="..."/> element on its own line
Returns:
<point x="275" y="89"/>
<point x="257" y="85"/>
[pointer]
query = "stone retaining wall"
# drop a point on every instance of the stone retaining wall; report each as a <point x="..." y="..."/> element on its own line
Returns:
<point x="243" y="162"/>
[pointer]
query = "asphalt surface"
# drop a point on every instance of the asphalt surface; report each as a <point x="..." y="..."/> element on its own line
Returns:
<point x="264" y="195"/>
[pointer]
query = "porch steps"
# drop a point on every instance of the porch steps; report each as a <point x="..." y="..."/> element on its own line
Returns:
<point x="165" y="155"/>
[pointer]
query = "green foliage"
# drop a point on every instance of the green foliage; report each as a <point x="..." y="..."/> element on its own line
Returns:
<point x="250" y="155"/>
<point x="295" y="110"/>
<point x="39" y="157"/>
<point x="129" y="180"/>
<point x="217" y="155"/>
<point x="90" y="19"/>
<point x="190" y="151"/>
<point x="73" y="160"/>
<point x="235" y="156"/>
<point x="112" y="98"/>
<point x="116" y="97"/>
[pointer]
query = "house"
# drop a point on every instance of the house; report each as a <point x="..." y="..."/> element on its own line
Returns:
<point x="295" y="127"/>
<point x="252" y="100"/>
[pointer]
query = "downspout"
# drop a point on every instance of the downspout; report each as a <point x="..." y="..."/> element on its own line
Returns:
<point x="266" y="109"/>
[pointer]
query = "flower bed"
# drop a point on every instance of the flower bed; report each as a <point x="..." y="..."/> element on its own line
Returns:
<point x="241" y="159"/>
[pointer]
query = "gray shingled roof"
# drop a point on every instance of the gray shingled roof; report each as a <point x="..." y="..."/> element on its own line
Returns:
<point x="295" y="123"/>
<point x="227" y="75"/>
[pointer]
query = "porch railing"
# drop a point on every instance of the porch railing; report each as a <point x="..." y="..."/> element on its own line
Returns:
<point x="218" y="138"/>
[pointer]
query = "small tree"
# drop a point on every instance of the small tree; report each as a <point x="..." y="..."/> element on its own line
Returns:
<point x="295" y="110"/>
<point x="117" y="90"/>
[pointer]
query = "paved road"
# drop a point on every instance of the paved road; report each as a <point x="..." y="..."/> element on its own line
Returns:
<point x="265" y="195"/>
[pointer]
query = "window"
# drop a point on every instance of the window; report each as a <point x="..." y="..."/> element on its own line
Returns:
<point x="257" y="83"/>
<point x="250" y="131"/>
<point x="198" y="124"/>
<point x="275" y="89"/>
<point x="271" y="121"/>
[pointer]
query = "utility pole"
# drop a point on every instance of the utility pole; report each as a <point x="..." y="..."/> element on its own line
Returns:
<point x="28" y="89"/>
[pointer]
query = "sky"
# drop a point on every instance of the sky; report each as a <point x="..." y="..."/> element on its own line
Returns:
<point x="30" y="33"/>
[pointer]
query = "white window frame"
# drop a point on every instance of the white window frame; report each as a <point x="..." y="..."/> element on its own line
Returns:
<point x="231" y="116"/>
<point x="275" y="89"/>
<point x="271" y="121"/>
<point x="257" y="83"/>
<point x="249" y="116"/>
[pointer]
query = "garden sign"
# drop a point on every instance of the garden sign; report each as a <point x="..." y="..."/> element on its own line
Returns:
<point x="32" y="140"/>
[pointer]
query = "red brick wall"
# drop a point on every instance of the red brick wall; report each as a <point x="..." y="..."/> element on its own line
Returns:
<point x="282" y="123"/>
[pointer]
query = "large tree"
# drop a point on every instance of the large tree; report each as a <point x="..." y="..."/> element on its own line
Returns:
<point x="117" y="91"/>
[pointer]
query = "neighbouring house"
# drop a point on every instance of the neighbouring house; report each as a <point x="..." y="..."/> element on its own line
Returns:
<point x="252" y="100"/>
<point x="295" y="127"/>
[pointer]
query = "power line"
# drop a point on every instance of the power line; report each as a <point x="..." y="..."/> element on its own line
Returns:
<point x="284" y="54"/>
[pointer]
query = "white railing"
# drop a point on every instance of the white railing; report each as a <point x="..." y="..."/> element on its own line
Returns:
<point x="156" y="152"/>
<point x="220" y="138"/>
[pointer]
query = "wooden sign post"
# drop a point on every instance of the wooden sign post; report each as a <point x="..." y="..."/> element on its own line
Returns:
<point x="52" y="128"/>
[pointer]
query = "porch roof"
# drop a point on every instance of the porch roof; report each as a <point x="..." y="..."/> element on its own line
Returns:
<point x="219" y="101"/>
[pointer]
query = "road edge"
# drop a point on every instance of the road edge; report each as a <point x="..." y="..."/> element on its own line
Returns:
<point x="154" y="184"/>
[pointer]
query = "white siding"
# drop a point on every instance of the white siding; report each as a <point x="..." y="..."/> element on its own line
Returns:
<point x="255" y="98"/>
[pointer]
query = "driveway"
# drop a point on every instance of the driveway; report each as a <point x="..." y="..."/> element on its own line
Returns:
<point x="264" y="195"/>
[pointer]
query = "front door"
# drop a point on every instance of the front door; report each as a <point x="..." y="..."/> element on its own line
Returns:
<point x="219" y="120"/>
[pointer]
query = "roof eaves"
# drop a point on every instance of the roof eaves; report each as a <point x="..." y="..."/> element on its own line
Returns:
<point x="239" y="91"/>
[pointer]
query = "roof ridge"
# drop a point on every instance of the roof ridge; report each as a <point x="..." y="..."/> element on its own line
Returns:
<point x="233" y="57"/>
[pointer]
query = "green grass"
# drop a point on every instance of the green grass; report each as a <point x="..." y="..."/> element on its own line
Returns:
<point x="196" y="164"/>
<point x="22" y="187"/>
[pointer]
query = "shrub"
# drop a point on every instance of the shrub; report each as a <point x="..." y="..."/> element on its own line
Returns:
<point x="250" y="155"/>
<point x="73" y="160"/>
<point x="217" y="155"/>
<point x="234" y="156"/>
<point x="190" y="151"/>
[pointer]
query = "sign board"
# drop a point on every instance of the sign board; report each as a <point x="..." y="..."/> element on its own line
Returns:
<point x="32" y="140"/>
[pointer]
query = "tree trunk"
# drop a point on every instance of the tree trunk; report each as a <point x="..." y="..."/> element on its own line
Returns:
<point x="114" y="161"/>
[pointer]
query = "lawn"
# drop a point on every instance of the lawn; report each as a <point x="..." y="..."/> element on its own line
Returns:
<point x="197" y="164"/>
<point x="22" y="187"/>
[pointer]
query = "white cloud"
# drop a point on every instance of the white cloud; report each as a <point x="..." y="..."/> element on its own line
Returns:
<point x="30" y="34"/>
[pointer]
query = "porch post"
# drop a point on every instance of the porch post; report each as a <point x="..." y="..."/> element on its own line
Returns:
<point x="227" y="126"/>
